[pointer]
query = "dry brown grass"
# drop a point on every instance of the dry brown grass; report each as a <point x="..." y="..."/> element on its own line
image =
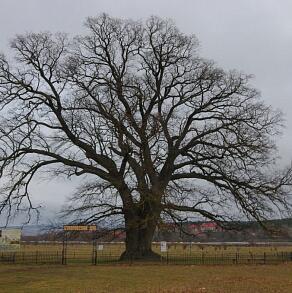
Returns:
<point x="117" y="248"/>
<point x="146" y="279"/>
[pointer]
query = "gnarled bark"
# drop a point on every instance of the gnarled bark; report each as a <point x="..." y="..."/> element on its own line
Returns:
<point x="140" y="229"/>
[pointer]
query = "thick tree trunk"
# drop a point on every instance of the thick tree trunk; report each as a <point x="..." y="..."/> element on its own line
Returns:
<point x="139" y="235"/>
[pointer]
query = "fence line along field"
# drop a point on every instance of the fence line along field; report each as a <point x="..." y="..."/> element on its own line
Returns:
<point x="176" y="253"/>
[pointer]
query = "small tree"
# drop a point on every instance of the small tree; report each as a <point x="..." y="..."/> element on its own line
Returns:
<point x="153" y="129"/>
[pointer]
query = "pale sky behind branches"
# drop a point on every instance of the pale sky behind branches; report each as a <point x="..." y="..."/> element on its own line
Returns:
<point x="253" y="36"/>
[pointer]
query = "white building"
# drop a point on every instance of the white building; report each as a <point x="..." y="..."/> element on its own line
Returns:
<point x="10" y="238"/>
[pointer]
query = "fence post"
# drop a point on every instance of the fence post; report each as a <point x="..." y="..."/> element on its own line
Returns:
<point x="264" y="258"/>
<point x="63" y="261"/>
<point x="64" y="250"/>
<point x="94" y="257"/>
<point x="94" y="248"/>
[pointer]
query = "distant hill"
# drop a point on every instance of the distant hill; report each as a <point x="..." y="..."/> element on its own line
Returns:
<point x="30" y="230"/>
<point x="280" y="230"/>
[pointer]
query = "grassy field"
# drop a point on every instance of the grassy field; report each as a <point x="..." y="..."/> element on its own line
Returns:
<point x="147" y="278"/>
<point x="178" y="248"/>
<point x="79" y="277"/>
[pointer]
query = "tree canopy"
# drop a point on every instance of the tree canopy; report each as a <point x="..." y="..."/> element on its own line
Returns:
<point x="152" y="128"/>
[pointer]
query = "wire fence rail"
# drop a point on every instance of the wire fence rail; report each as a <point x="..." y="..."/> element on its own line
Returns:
<point x="96" y="258"/>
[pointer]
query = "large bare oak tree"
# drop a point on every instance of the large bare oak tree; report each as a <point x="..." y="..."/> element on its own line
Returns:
<point x="152" y="128"/>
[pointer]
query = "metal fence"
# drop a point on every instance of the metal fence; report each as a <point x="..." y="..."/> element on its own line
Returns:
<point x="96" y="258"/>
<point x="34" y="257"/>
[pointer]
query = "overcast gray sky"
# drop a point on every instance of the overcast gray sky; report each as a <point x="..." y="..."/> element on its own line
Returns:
<point x="254" y="36"/>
